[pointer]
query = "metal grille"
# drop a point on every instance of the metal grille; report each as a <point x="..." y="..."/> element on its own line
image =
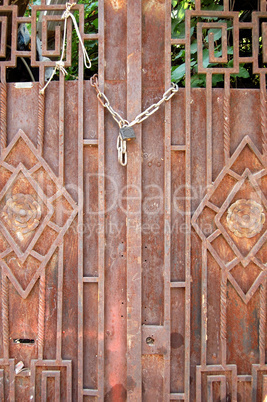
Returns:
<point x="138" y="283"/>
<point x="44" y="277"/>
<point x="228" y="262"/>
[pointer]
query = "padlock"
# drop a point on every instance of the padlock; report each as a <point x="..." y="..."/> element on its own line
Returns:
<point x="127" y="133"/>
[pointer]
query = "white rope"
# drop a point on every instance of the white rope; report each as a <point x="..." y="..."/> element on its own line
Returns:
<point x="66" y="14"/>
<point x="60" y="64"/>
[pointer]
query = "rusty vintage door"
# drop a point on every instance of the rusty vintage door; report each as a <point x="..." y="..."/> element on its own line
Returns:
<point x="145" y="282"/>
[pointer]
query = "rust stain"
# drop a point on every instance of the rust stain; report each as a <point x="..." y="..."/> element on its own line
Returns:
<point x="117" y="4"/>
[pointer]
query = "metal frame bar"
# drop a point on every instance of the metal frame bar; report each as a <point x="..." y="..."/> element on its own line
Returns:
<point x="134" y="202"/>
<point x="101" y="204"/>
<point x="167" y="207"/>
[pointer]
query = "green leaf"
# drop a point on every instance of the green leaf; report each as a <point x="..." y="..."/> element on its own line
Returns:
<point x="193" y="47"/>
<point x="218" y="53"/>
<point x="179" y="71"/>
<point x="181" y="54"/>
<point x="217" y="78"/>
<point x="206" y="58"/>
<point x="180" y="14"/>
<point x="95" y="23"/>
<point x="198" y="80"/>
<point x="216" y="32"/>
<point x="179" y="30"/>
<point x="243" y="73"/>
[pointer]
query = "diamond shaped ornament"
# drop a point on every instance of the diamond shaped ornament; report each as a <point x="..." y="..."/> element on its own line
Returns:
<point x="26" y="213"/>
<point x="242" y="220"/>
<point x="237" y="216"/>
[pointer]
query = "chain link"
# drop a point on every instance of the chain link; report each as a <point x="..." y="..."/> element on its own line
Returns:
<point x="122" y="151"/>
<point x="140" y="117"/>
<point x="122" y="144"/>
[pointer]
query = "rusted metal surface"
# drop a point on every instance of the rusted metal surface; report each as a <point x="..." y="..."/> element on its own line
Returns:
<point x="139" y="283"/>
<point x="228" y="291"/>
<point x="230" y="298"/>
<point x="134" y="205"/>
<point x="37" y="268"/>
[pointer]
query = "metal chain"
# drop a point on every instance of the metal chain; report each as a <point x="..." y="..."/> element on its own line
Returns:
<point x="153" y="108"/>
<point x="140" y="117"/>
<point x="121" y="144"/>
<point x="122" y="151"/>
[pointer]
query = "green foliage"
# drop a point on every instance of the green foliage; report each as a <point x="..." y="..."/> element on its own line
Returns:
<point x="90" y="26"/>
<point x="243" y="78"/>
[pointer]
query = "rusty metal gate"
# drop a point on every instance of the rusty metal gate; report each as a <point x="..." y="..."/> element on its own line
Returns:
<point x="145" y="282"/>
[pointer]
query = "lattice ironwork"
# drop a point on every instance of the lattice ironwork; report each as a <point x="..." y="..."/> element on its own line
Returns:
<point x="182" y="268"/>
<point x="39" y="220"/>
<point x="230" y="221"/>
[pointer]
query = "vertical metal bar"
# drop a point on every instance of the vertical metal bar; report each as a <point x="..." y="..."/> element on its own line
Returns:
<point x="188" y="209"/>
<point x="209" y="127"/>
<point x="134" y="203"/>
<point x="44" y="388"/>
<point x="41" y="316"/>
<point x="101" y="206"/>
<point x="223" y="317"/>
<point x="263" y="5"/>
<point x="80" y="214"/>
<point x="5" y="315"/>
<point x="226" y="5"/>
<point x="262" y="327"/>
<point x="263" y="100"/>
<point x="3" y="110"/>
<point x="226" y="118"/>
<point x="167" y="200"/>
<point x="115" y="261"/>
<point x="204" y="306"/>
<point x="41" y="113"/>
<point x="59" y="302"/>
<point x="198" y="5"/>
<point x="40" y="129"/>
<point x="61" y="127"/>
<point x="57" y="386"/>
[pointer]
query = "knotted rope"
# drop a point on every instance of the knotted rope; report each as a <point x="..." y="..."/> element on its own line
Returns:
<point x="60" y="65"/>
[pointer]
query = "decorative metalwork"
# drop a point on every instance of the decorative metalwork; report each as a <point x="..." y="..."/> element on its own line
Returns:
<point x="30" y="214"/>
<point x="245" y="218"/>
<point x="22" y="214"/>
<point x="233" y="231"/>
<point x="37" y="211"/>
<point x="195" y="143"/>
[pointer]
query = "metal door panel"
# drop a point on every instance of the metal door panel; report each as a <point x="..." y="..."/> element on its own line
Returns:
<point x="134" y="283"/>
